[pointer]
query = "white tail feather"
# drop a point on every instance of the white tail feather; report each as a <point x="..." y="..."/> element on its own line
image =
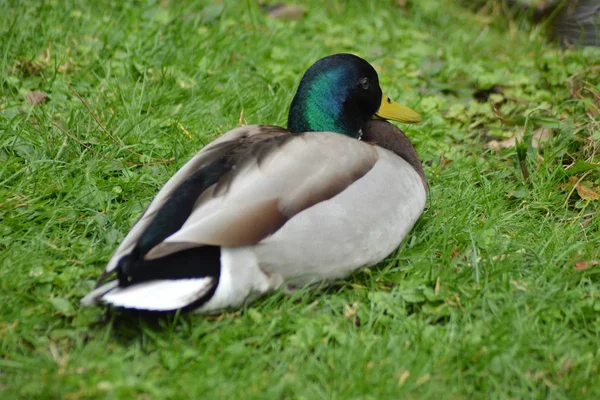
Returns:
<point x="159" y="295"/>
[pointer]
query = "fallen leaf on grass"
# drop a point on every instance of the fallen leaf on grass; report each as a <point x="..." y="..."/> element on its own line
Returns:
<point x="350" y="310"/>
<point x="444" y="162"/>
<point x="287" y="12"/>
<point x="454" y="301"/>
<point x="585" y="192"/>
<point x="403" y="377"/>
<point x="28" y="68"/>
<point x="36" y="97"/>
<point x="455" y="252"/>
<point x="501" y="144"/>
<point x="583" y="265"/>
<point x="540" y="137"/>
<point x="519" y="285"/>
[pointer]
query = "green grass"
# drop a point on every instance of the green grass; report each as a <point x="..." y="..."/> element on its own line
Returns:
<point x="483" y="300"/>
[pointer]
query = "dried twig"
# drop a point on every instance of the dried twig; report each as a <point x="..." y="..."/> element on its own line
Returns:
<point x="96" y="118"/>
<point x="113" y="138"/>
<point x="66" y="132"/>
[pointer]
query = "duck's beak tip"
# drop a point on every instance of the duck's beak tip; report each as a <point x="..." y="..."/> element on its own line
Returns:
<point x="391" y="110"/>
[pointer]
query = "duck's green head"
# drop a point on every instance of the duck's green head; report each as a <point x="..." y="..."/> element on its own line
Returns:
<point x="340" y="93"/>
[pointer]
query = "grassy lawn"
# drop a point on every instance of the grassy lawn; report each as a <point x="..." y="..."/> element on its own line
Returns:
<point x="494" y="294"/>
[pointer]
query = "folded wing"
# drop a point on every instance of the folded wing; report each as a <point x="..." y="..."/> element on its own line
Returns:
<point x="243" y="187"/>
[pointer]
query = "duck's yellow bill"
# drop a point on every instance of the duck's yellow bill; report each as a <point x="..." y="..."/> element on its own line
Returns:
<point x="391" y="110"/>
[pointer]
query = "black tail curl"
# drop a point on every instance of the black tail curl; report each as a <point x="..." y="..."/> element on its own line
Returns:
<point x="197" y="262"/>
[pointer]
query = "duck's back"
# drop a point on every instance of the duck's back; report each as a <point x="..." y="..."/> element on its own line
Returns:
<point x="359" y="226"/>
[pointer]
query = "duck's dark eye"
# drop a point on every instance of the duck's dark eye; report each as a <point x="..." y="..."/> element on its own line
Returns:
<point x="364" y="82"/>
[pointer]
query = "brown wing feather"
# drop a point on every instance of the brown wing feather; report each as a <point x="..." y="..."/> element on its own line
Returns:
<point x="231" y="145"/>
<point x="273" y="181"/>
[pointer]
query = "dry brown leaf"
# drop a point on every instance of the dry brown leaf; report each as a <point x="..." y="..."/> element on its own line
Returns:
<point x="583" y="265"/>
<point x="569" y="184"/>
<point x="287" y="12"/>
<point x="586" y="193"/>
<point x="350" y="310"/>
<point x="444" y="162"/>
<point x="497" y="145"/>
<point x="36" y="97"/>
<point x="519" y="285"/>
<point x="403" y="377"/>
<point x="28" y="68"/>
<point x="455" y="252"/>
<point x="540" y="137"/>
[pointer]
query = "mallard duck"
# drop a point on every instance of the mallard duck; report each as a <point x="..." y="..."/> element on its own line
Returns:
<point x="263" y="206"/>
<point x="570" y="22"/>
